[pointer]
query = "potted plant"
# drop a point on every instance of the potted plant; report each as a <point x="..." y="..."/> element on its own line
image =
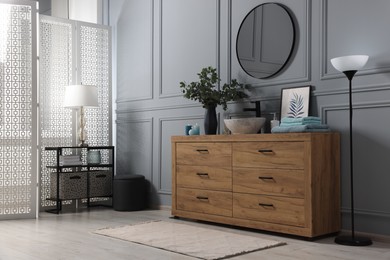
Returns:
<point x="206" y="91"/>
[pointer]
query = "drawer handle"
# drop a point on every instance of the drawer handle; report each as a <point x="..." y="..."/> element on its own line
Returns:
<point x="202" y="198"/>
<point x="202" y="150"/>
<point x="75" y="177"/>
<point x="202" y="174"/>
<point x="101" y="176"/>
<point x="265" y="151"/>
<point x="264" y="178"/>
<point x="266" y="205"/>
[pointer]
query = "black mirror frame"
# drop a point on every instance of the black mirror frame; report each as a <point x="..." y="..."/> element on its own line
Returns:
<point x="293" y="40"/>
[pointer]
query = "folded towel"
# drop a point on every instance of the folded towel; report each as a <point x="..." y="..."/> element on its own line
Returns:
<point x="288" y="129"/>
<point x="300" y="128"/>
<point x="289" y="121"/>
<point x="317" y="126"/>
<point x="311" y="118"/>
<point x="301" y="119"/>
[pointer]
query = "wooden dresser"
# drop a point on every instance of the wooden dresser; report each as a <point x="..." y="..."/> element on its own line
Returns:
<point x="287" y="183"/>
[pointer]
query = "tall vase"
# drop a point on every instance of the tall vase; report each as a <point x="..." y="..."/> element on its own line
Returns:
<point x="210" y="121"/>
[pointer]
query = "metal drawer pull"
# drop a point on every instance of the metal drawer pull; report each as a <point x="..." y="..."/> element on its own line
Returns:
<point x="265" y="151"/>
<point x="202" y="198"/>
<point x="101" y="176"/>
<point x="265" y="178"/>
<point x="201" y="174"/>
<point x="266" y="205"/>
<point x="202" y="150"/>
<point x="75" y="177"/>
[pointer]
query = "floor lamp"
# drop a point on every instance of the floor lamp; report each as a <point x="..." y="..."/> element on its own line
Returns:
<point x="79" y="97"/>
<point x="349" y="65"/>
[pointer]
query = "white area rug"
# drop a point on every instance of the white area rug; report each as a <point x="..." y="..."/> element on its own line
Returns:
<point x="189" y="240"/>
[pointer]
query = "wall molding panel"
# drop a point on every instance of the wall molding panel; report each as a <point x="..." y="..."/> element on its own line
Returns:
<point x="357" y="89"/>
<point x="155" y="108"/>
<point x="165" y="145"/>
<point x="368" y="171"/>
<point x="356" y="105"/>
<point x="139" y="148"/>
<point x="135" y="84"/>
<point x="197" y="36"/>
<point x="370" y="68"/>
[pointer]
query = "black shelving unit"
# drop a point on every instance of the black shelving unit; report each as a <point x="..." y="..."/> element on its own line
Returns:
<point x="85" y="168"/>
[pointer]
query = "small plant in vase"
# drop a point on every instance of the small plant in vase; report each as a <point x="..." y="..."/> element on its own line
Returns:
<point x="206" y="91"/>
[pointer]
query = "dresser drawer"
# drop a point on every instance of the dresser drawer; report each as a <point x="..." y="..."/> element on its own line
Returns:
<point x="204" y="201"/>
<point x="204" y="177"/>
<point x="288" y="155"/>
<point x="281" y="182"/>
<point x="211" y="154"/>
<point x="272" y="209"/>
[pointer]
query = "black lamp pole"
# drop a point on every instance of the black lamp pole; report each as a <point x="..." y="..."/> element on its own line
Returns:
<point x="351" y="240"/>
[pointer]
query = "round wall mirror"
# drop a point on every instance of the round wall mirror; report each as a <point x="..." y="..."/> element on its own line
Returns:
<point x="265" y="40"/>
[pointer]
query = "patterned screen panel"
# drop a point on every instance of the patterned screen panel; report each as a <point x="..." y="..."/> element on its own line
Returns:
<point x="95" y="60"/>
<point x="17" y="99"/>
<point x="55" y="58"/>
<point x="71" y="53"/>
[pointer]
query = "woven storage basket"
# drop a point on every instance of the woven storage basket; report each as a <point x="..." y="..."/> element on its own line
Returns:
<point x="100" y="184"/>
<point x="73" y="185"/>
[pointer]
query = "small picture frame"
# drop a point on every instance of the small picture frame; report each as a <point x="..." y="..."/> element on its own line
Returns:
<point x="295" y="102"/>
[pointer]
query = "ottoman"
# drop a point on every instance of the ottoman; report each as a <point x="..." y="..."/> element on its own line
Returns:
<point x="129" y="192"/>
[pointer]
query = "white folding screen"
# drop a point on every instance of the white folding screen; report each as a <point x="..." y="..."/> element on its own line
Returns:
<point x="94" y="57"/>
<point x="18" y="129"/>
<point x="55" y="72"/>
<point x="71" y="53"/>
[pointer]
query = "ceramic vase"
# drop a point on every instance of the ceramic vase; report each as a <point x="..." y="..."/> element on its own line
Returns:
<point x="210" y="121"/>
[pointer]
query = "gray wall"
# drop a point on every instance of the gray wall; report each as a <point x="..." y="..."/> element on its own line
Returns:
<point x="158" y="43"/>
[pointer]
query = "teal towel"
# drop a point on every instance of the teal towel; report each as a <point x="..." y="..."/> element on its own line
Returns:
<point x="301" y="119"/>
<point x="309" y="120"/>
<point x="291" y="120"/>
<point x="288" y="129"/>
<point x="300" y="128"/>
<point x="317" y="126"/>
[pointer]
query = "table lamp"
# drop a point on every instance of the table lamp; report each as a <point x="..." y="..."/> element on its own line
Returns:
<point x="80" y="97"/>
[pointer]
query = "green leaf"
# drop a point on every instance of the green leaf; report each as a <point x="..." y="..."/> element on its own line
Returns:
<point x="206" y="89"/>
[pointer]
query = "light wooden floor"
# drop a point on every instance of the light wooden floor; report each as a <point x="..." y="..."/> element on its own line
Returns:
<point x="69" y="236"/>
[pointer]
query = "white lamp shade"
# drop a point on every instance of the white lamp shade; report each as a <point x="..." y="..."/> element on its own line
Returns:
<point x="351" y="62"/>
<point x="81" y="96"/>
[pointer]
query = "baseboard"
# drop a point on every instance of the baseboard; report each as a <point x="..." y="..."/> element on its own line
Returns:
<point x="164" y="207"/>
<point x="374" y="237"/>
<point x="160" y="207"/>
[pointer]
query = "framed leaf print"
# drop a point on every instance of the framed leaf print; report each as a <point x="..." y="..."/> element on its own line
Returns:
<point x="295" y="102"/>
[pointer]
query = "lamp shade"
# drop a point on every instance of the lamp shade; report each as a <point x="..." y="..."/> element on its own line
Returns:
<point x="348" y="63"/>
<point x="81" y="96"/>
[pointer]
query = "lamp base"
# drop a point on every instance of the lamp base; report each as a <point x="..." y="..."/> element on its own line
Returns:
<point x="83" y="144"/>
<point x="353" y="241"/>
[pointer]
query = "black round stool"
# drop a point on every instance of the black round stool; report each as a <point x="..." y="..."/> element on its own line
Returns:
<point x="129" y="192"/>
